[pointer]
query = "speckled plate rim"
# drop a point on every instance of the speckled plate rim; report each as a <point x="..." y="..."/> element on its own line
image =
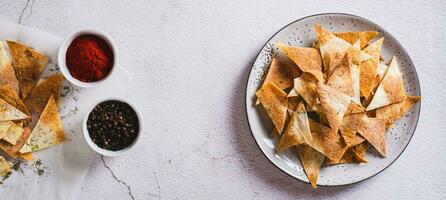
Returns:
<point x="281" y="168"/>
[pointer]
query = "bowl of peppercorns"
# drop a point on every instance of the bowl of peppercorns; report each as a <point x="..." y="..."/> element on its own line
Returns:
<point x="112" y="126"/>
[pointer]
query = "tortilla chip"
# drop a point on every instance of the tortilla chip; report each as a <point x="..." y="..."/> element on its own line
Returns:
<point x="354" y="54"/>
<point x="311" y="161"/>
<point x="374" y="131"/>
<point x="350" y="125"/>
<point x="348" y="157"/>
<point x="8" y="112"/>
<point x="333" y="146"/>
<point x="13" y="134"/>
<point x="27" y="156"/>
<point x="7" y="73"/>
<point x="274" y="100"/>
<point x="359" y="153"/>
<point x="341" y="78"/>
<point x="354" y="108"/>
<point x="4" y="165"/>
<point x="4" y="127"/>
<point x="307" y="59"/>
<point x="8" y="94"/>
<point x="39" y="95"/>
<point x="363" y="36"/>
<point x="334" y="104"/>
<point x="13" y="150"/>
<point x="48" y="130"/>
<point x="293" y="102"/>
<point x="382" y="69"/>
<point x="354" y="154"/>
<point x="391" y="89"/>
<point x="369" y="68"/>
<point x="358" y="140"/>
<point x="297" y="130"/>
<point x="281" y="74"/>
<point x="28" y="65"/>
<point x="305" y="86"/>
<point x="393" y="112"/>
<point x="330" y="46"/>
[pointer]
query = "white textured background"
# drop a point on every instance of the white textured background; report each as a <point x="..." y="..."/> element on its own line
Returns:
<point x="191" y="60"/>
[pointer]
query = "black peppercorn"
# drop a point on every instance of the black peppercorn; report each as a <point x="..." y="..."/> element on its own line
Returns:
<point x="113" y="125"/>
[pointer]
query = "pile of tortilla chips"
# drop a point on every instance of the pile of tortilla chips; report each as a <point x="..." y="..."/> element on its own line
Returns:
<point x="29" y="116"/>
<point x="331" y="101"/>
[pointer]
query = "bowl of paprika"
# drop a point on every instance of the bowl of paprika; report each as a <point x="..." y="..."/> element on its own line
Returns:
<point x="87" y="58"/>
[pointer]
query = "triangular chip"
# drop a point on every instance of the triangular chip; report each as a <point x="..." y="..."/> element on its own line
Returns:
<point x="4" y="166"/>
<point x="332" y="48"/>
<point x="333" y="146"/>
<point x="28" y="65"/>
<point x="13" y="134"/>
<point x="369" y="68"/>
<point x="354" y="154"/>
<point x="350" y="125"/>
<point x="48" y="130"/>
<point x="8" y="112"/>
<point x="354" y="108"/>
<point x="358" y="140"/>
<point x="274" y="100"/>
<point x="311" y="162"/>
<point x="363" y="36"/>
<point x="293" y="102"/>
<point x="359" y="153"/>
<point x="348" y="157"/>
<point x="341" y="78"/>
<point x="281" y="74"/>
<point x="374" y="131"/>
<point x="4" y="127"/>
<point x="13" y="150"/>
<point x="382" y="69"/>
<point x="391" y="88"/>
<point x="306" y="58"/>
<point x="39" y="95"/>
<point x="305" y="86"/>
<point x="334" y="104"/>
<point x="354" y="54"/>
<point x="27" y="156"/>
<point x="7" y="73"/>
<point x="393" y="112"/>
<point x="297" y="130"/>
<point x="8" y="94"/>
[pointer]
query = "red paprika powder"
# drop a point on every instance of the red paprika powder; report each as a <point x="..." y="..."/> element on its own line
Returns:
<point x="89" y="58"/>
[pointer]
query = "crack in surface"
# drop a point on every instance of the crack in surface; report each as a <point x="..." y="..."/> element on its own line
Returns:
<point x="117" y="179"/>
<point x="29" y="3"/>
<point x="157" y="185"/>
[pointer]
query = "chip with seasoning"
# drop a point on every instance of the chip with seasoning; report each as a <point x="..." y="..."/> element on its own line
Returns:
<point x="342" y="101"/>
<point x="4" y="166"/>
<point x="28" y="65"/>
<point x="48" y="130"/>
<point x="22" y="91"/>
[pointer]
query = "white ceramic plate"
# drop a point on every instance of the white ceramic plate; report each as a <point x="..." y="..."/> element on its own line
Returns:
<point x="301" y="33"/>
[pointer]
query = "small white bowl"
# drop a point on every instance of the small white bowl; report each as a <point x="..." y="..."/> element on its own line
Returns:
<point x="61" y="57"/>
<point x="106" y="152"/>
